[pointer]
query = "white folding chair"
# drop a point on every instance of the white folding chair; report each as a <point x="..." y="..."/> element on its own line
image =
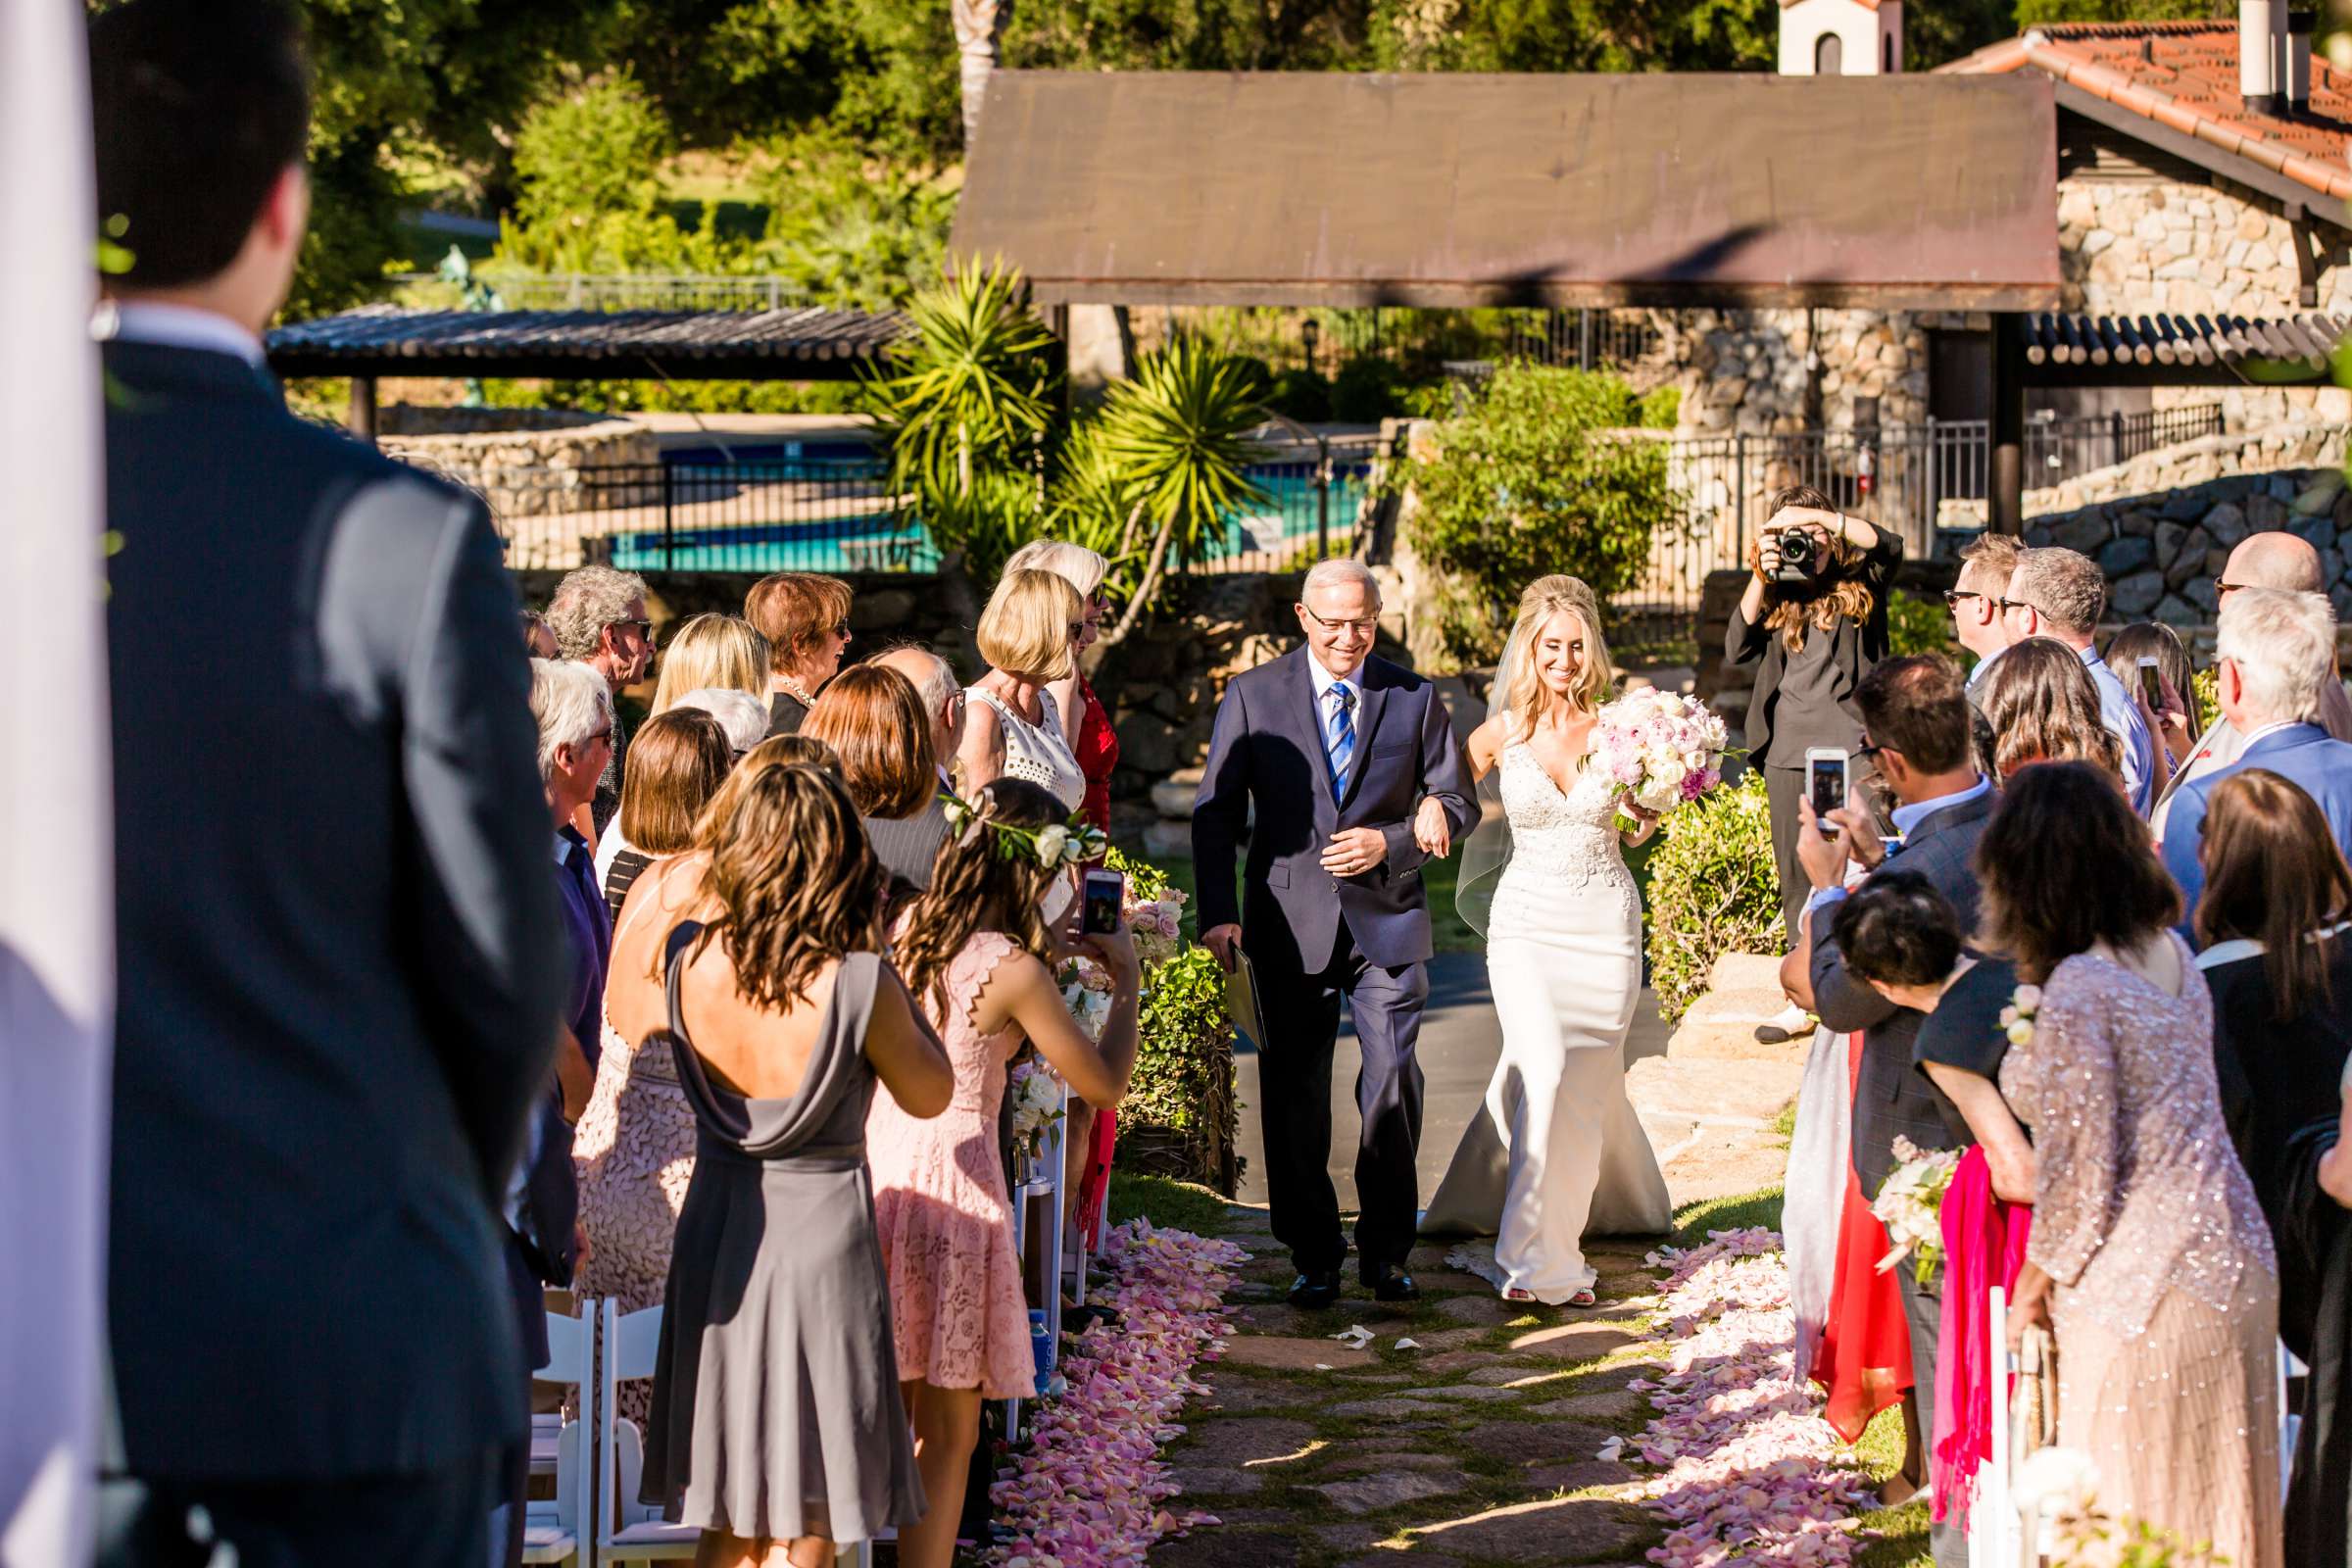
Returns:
<point x="628" y="1530"/>
<point x="1040" y="1184"/>
<point x="553" y="1530"/>
<point x="1995" y="1536"/>
<point x="2290" y="1367"/>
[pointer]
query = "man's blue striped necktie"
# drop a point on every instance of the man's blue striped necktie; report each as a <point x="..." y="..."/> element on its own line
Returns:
<point x="1341" y="741"/>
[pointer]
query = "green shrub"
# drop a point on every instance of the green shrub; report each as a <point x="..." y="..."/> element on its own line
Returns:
<point x="1714" y="888"/>
<point x="1181" y="1114"/>
<point x="1531" y="481"/>
<point x="1367" y="390"/>
<point x="1916" y="625"/>
<point x="1661" y="408"/>
<point x="593" y="153"/>
<point x="1301" y="394"/>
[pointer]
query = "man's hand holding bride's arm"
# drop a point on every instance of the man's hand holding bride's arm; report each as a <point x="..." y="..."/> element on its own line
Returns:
<point x="1433" y="828"/>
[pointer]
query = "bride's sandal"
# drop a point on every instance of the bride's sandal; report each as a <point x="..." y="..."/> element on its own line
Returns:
<point x="1517" y="1297"/>
<point x="1584" y="1297"/>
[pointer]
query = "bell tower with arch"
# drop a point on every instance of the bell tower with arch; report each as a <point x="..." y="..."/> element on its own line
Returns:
<point x="1841" y="37"/>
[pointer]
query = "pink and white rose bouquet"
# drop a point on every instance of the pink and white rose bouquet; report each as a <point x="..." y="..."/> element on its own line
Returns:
<point x="1658" y="749"/>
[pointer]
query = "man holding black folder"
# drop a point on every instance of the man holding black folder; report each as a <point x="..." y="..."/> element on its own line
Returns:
<point x="1336" y="750"/>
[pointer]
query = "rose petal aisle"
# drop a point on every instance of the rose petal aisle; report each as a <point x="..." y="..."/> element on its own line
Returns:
<point x="1752" y="1473"/>
<point x="1087" y="1491"/>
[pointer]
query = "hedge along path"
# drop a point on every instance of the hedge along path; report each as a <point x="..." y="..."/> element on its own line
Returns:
<point x="1479" y="1442"/>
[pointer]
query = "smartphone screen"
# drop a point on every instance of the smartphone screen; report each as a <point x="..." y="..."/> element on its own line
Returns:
<point x="1105" y="891"/>
<point x="1826" y="783"/>
<point x="2150" y="685"/>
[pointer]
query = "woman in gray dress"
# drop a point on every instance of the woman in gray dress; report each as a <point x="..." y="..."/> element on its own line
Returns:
<point x="777" y="1424"/>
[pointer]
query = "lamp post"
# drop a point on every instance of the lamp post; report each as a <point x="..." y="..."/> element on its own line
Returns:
<point x="1309" y="330"/>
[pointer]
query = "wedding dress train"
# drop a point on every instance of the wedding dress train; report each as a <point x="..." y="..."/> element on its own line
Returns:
<point x="1558" y="1153"/>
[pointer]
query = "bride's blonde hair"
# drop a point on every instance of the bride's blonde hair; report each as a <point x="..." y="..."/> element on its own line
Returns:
<point x="1543" y="599"/>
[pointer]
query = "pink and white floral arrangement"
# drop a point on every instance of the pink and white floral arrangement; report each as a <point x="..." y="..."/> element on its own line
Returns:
<point x="1658" y="749"/>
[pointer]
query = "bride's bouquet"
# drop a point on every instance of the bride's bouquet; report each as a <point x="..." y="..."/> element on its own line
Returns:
<point x="1660" y="749"/>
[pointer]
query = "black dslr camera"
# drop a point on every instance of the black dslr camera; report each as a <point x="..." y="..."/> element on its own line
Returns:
<point x="1800" y="556"/>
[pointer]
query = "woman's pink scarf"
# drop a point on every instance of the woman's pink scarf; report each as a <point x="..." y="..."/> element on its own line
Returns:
<point x="1984" y="1244"/>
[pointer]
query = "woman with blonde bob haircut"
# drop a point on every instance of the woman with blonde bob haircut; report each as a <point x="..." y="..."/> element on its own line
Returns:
<point x="1564" y="963"/>
<point x="711" y="649"/>
<point x="1011" y="729"/>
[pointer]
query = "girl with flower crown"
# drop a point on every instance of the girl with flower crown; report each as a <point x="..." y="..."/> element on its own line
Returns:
<point x="979" y="959"/>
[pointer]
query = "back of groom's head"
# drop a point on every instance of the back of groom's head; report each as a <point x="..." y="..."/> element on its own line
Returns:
<point x="200" y="107"/>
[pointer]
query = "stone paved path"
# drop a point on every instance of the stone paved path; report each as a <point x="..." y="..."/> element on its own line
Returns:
<point x="1479" y="1446"/>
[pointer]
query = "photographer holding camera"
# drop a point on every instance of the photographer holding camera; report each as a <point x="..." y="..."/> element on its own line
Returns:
<point x="1813" y="616"/>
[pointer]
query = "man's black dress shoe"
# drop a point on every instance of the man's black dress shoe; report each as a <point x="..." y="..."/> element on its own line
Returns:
<point x="1316" y="1288"/>
<point x="1389" y="1283"/>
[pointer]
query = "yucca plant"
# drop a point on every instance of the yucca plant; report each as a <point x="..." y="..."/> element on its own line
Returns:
<point x="1175" y="441"/>
<point x="969" y="389"/>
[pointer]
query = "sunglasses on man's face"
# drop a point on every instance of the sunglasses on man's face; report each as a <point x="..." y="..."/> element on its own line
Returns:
<point x="1954" y="596"/>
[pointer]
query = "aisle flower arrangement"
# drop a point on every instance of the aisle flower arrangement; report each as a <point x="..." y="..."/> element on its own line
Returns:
<point x="1089" y="1490"/>
<point x="1750" y="1471"/>
<point x="1910" y="1205"/>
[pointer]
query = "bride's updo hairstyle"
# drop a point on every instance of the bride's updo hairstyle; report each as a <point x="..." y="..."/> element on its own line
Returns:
<point x="1524" y="695"/>
<point x="981" y="881"/>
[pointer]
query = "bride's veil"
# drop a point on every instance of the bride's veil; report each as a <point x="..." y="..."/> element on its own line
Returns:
<point x="1488" y="850"/>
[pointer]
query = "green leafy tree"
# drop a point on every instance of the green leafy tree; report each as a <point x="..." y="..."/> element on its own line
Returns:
<point x="969" y="389"/>
<point x="597" y="149"/>
<point x="1535" y="478"/>
<point x="2033" y="13"/>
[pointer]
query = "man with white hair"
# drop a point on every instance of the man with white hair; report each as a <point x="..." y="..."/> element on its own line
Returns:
<point x="934" y="682"/>
<point x="1336" y="749"/>
<point x="2272" y="558"/>
<point x="2277" y="655"/>
<point x="2060" y="594"/>
<point x="598" y="616"/>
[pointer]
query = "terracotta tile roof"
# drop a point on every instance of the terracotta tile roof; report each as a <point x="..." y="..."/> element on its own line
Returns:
<point x="2184" y="75"/>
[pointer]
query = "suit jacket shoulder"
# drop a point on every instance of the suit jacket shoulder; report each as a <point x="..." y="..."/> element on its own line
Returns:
<point x="1392" y="677"/>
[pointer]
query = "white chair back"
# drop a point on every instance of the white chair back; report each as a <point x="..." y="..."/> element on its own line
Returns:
<point x="628" y="1530"/>
<point x="553" y="1532"/>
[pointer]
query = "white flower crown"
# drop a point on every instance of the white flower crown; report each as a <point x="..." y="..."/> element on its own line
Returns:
<point x="1058" y="843"/>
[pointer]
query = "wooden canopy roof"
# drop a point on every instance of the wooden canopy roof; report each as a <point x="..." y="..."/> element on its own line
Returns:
<point x="2172" y="350"/>
<point x="788" y="345"/>
<point x="1446" y="190"/>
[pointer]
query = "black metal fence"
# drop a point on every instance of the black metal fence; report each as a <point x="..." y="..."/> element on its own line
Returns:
<point x="840" y="514"/>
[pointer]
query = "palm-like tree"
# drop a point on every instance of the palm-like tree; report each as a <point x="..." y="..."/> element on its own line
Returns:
<point x="969" y="386"/>
<point x="978" y="25"/>
<point x="1174" y="445"/>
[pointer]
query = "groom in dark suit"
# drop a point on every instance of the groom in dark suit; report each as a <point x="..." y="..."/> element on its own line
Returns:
<point x="1336" y="750"/>
<point x="336" y="941"/>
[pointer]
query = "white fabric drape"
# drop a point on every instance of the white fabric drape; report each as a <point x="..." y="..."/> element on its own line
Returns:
<point x="56" y="875"/>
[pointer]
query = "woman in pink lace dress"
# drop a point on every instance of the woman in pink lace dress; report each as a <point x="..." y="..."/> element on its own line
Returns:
<point x="976" y="956"/>
<point x="2149" y="1258"/>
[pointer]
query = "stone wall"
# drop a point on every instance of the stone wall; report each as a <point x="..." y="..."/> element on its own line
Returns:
<point x="526" y="461"/>
<point x="2161" y="552"/>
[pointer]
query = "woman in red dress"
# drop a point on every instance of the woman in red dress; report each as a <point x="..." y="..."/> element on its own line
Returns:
<point x="1087" y="723"/>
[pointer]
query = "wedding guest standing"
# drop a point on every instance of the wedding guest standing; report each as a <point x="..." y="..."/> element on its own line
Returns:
<point x="2149" y="1258"/>
<point x="598" y="616"/>
<point x="2274" y="923"/>
<point x="2269" y="560"/>
<point x="2276" y="652"/>
<point x="1085" y="721"/>
<point x="977" y="956"/>
<point x="775" y="1421"/>
<point x="1010" y="728"/>
<point x="908" y="847"/>
<point x="2175" y="718"/>
<point x="338" y="959"/>
<point x="805" y="620"/>
<point x="682" y="758"/>
<point x="1812" y="622"/>
<point x="537" y="639"/>
<point x="1916" y="724"/>
<point x="1974" y="600"/>
<point x="874" y="720"/>
<point x="741" y="715"/>
<point x="711" y="651"/>
<point x="2061" y="594"/>
<point x="2042" y="706"/>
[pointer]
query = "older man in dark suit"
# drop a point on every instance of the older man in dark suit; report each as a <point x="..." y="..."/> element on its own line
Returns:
<point x="1336" y="750"/>
<point x="1916" y="726"/>
<point x="336" y="929"/>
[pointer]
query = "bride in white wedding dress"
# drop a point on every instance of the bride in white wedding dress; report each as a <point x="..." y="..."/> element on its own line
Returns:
<point x="1559" y="1152"/>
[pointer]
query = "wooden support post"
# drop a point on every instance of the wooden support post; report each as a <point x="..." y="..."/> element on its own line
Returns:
<point x="2005" y="507"/>
<point x="363" y="408"/>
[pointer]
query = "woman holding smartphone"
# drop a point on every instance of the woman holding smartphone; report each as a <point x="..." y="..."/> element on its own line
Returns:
<point x="1812" y="620"/>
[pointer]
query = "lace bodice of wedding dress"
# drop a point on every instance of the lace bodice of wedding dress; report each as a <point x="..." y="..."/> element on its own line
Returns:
<point x="1560" y="843"/>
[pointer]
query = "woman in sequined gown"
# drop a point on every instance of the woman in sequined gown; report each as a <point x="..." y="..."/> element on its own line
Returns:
<point x="1564" y="963"/>
<point x="2149" y="1258"/>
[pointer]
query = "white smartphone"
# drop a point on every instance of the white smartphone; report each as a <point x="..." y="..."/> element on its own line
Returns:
<point x="2151" y="684"/>
<point x="1827" y="778"/>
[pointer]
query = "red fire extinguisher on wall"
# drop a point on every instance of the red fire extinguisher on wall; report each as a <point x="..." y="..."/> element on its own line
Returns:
<point x="1866" y="470"/>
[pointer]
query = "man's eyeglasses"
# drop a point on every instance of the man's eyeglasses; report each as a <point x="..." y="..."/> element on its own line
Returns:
<point x="1954" y="596"/>
<point x="2222" y="587"/>
<point x="1368" y="625"/>
<point x="2004" y="606"/>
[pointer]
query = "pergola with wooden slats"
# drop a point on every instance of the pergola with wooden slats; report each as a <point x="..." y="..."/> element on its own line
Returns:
<point x="380" y="340"/>
<point x="2174" y="350"/>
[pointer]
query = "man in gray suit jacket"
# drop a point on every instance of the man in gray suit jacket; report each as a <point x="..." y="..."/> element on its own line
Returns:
<point x="338" y="970"/>
<point x="1916" y="723"/>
